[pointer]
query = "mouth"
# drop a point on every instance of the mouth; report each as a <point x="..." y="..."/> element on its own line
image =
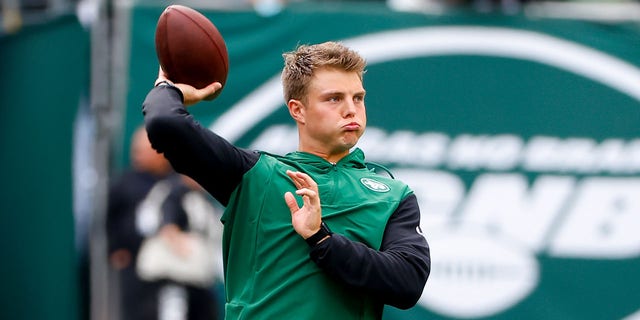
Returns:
<point x="352" y="126"/>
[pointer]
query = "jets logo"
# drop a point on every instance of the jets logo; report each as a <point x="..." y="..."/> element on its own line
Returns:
<point x="374" y="185"/>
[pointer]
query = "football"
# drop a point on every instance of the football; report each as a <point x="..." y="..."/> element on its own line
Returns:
<point x="190" y="48"/>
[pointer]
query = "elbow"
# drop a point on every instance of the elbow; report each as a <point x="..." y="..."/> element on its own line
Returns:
<point x="163" y="113"/>
<point x="156" y="127"/>
<point x="164" y="130"/>
<point x="412" y="291"/>
<point x="157" y="123"/>
<point x="410" y="297"/>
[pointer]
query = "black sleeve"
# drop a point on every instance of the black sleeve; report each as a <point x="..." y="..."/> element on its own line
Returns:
<point x="115" y="219"/>
<point x="125" y="192"/>
<point x="193" y="150"/>
<point x="397" y="273"/>
<point x="172" y="208"/>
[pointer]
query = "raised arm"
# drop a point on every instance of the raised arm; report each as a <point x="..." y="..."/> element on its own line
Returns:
<point x="193" y="150"/>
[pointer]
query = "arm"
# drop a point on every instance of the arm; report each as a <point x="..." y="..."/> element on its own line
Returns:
<point x="119" y="257"/>
<point x="124" y="193"/>
<point x="193" y="150"/>
<point x="397" y="273"/>
<point x="174" y="226"/>
<point x="114" y="219"/>
<point x="172" y="209"/>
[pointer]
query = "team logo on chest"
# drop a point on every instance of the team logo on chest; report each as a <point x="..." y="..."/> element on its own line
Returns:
<point x="374" y="185"/>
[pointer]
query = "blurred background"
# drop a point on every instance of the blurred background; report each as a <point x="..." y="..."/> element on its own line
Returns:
<point x="515" y="122"/>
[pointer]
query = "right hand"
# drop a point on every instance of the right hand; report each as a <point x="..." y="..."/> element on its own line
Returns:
<point x="191" y="95"/>
<point x="181" y="243"/>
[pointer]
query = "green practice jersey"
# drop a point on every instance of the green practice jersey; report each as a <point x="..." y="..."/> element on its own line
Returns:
<point x="268" y="272"/>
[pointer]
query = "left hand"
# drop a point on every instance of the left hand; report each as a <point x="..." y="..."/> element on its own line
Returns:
<point x="306" y="220"/>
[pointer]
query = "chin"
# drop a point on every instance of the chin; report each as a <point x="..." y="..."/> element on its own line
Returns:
<point x="349" y="145"/>
<point x="349" y="141"/>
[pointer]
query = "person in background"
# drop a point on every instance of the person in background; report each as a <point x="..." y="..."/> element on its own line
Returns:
<point x="158" y="220"/>
<point x="127" y="227"/>
<point x="185" y="253"/>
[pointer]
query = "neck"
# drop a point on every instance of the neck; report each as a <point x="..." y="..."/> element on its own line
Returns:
<point x="329" y="156"/>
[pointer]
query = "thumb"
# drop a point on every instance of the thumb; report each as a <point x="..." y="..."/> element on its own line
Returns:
<point x="192" y="95"/>
<point x="211" y="89"/>
<point x="291" y="202"/>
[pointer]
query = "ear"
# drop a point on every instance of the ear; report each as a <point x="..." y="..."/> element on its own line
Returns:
<point x="296" y="110"/>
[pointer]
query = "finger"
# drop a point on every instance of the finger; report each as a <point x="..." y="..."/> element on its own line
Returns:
<point x="306" y="192"/>
<point x="162" y="76"/>
<point x="161" y="73"/>
<point x="309" y="197"/>
<point x="208" y="91"/>
<point x="294" y="178"/>
<point x="303" y="180"/>
<point x="212" y="88"/>
<point x="291" y="202"/>
<point x="307" y="181"/>
<point x="192" y="95"/>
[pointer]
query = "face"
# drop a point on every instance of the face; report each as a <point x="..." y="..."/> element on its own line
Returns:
<point x="332" y="117"/>
<point x="144" y="157"/>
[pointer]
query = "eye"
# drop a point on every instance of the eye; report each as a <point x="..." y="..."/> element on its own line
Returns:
<point x="358" y="98"/>
<point x="334" y="99"/>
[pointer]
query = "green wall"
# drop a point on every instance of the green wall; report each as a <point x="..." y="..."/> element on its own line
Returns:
<point x="43" y="72"/>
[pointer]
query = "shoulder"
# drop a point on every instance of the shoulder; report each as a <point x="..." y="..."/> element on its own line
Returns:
<point x="274" y="160"/>
<point x="132" y="179"/>
<point x="379" y="169"/>
<point x="264" y="164"/>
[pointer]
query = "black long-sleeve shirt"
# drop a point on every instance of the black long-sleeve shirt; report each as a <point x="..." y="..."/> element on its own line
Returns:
<point x="396" y="273"/>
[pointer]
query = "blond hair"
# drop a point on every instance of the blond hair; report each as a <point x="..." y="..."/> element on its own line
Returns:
<point x="300" y="65"/>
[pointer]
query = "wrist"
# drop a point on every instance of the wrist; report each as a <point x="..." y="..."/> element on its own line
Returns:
<point x="319" y="236"/>
<point x="167" y="83"/>
<point x="162" y="83"/>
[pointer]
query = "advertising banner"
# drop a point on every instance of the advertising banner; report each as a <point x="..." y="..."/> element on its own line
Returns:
<point x="519" y="137"/>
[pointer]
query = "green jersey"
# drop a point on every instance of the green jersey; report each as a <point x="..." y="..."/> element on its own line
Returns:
<point x="269" y="274"/>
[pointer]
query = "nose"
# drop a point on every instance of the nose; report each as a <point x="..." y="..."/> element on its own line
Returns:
<point x="349" y="108"/>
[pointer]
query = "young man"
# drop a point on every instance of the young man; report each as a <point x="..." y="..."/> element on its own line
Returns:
<point x="347" y="244"/>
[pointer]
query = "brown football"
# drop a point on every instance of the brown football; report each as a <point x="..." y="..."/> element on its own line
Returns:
<point x="190" y="48"/>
